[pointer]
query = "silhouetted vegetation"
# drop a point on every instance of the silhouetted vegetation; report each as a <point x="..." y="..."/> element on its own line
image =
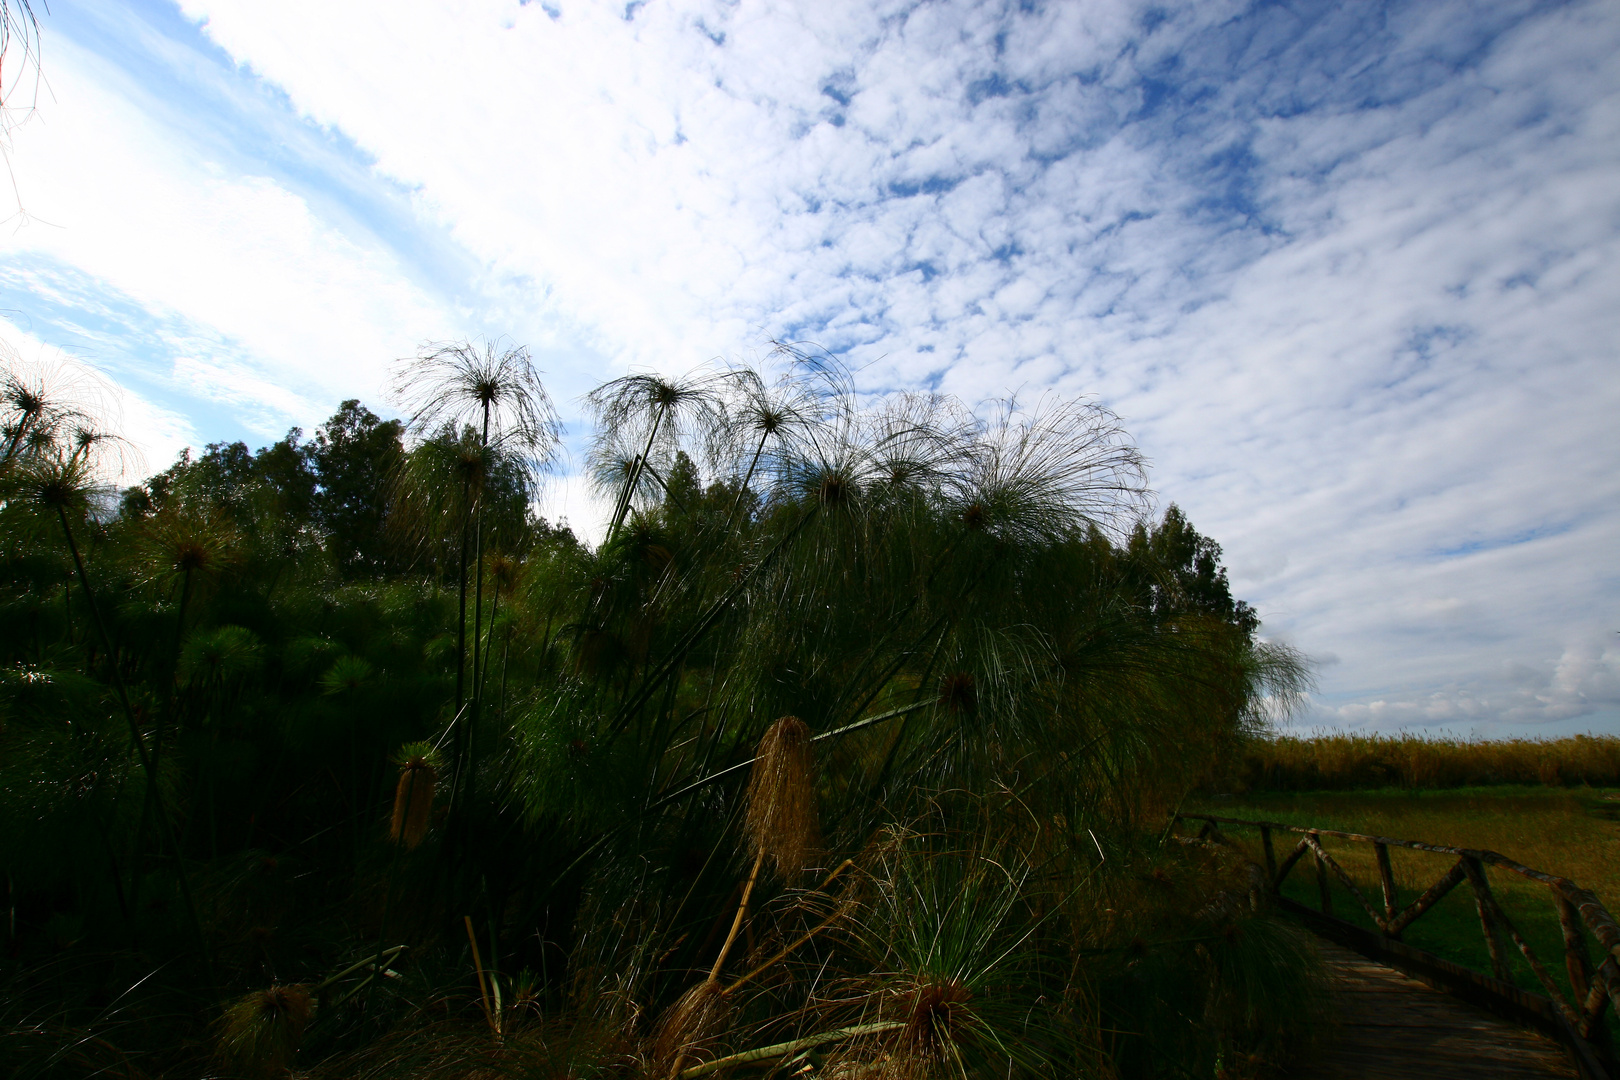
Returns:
<point x="846" y="752"/>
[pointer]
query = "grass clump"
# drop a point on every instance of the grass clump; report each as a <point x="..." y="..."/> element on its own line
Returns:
<point x="260" y="1033"/>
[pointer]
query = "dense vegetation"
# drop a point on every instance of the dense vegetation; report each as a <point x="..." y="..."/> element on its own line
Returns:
<point x="845" y="752"/>
<point x="1345" y="762"/>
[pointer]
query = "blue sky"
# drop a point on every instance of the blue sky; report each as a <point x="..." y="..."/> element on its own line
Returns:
<point x="1348" y="271"/>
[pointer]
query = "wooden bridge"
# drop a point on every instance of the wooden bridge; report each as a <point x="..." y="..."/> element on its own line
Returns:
<point x="1404" y="1012"/>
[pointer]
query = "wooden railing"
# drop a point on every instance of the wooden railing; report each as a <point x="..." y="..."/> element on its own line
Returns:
<point x="1592" y="986"/>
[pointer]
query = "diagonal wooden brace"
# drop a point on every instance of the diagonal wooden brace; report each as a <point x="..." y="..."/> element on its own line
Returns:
<point x="1386" y="878"/>
<point x="1288" y="864"/>
<point x="1344" y="879"/>
<point x="1577" y="961"/>
<point x="1554" y="992"/>
<point x="1451" y="879"/>
<point x="1485" y="905"/>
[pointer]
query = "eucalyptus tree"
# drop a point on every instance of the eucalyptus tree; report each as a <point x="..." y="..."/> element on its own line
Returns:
<point x="497" y="389"/>
<point x="352" y="459"/>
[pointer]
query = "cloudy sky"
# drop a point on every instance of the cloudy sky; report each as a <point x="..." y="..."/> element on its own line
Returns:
<point x="1350" y="272"/>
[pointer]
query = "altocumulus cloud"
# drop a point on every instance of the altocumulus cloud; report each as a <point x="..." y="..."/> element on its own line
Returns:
<point x="1346" y="269"/>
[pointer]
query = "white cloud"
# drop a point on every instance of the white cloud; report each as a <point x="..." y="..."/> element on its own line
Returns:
<point x="1348" y="276"/>
<point x="303" y="311"/>
<point x="1583" y="681"/>
<point x="571" y="500"/>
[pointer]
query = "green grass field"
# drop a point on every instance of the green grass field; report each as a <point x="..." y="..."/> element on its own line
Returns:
<point x="1573" y="832"/>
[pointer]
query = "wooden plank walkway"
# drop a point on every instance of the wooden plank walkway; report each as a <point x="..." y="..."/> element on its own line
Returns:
<point x="1394" y="1027"/>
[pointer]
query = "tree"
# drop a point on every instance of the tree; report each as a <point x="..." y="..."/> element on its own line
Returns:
<point x="355" y="457"/>
<point x="1179" y="571"/>
<point x="286" y="468"/>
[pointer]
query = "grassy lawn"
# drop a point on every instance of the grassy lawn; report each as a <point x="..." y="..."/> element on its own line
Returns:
<point x="1571" y="832"/>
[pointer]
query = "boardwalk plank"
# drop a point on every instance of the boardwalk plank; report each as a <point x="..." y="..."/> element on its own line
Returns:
<point x="1393" y="1027"/>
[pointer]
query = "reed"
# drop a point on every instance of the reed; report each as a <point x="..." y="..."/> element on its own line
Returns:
<point x="419" y="766"/>
<point x="782" y="821"/>
<point x="783" y="829"/>
<point x="1345" y="762"/>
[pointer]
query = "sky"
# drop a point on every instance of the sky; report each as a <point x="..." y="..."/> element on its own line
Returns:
<point x="1349" y="272"/>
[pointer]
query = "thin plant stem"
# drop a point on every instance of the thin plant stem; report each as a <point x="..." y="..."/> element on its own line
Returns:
<point x="165" y="824"/>
<point x="382" y="957"/>
<point x="117" y="874"/>
<point x="494" y="958"/>
<point x="478" y="607"/>
<point x="713" y="981"/>
<point x="736" y="924"/>
<point x="506" y="663"/>
<point x="809" y="1042"/>
<point x="17" y="438"/>
<point x="364" y="984"/>
<point x="165" y="715"/>
<point x="478" y="966"/>
<point x="836" y="733"/>
<point x="620" y="511"/>
<point x="788" y="950"/>
<point x="135" y="849"/>
<point x="388" y="890"/>
<point x="678" y="653"/>
<point x="461" y="651"/>
<point x="742" y="489"/>
<point x="174" y="666"/>
<point x="494" y="612"/>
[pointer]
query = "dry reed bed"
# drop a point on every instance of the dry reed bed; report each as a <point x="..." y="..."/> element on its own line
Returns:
<point x="1348" y="762"/>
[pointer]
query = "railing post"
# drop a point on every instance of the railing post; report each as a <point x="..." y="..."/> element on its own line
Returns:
<point x="1322" y="878"/>
<point x="1482" y="890"/>
<point x="1271" y="858"/>
<point x="1578" y="965"/>
<point x="1577" y="962"/>
<point x="1386" y="877"/>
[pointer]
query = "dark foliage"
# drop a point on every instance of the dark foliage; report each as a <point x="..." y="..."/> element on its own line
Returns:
<point x="335" y="759"/>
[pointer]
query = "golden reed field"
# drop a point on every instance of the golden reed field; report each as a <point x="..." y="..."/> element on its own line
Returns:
<point x="1361" y="762"/>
